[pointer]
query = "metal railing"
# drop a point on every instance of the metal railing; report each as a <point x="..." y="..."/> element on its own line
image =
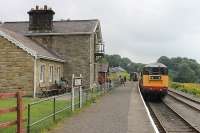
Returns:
<point x="80" y="99"/>
<point x="53" y="114"/>
<point x="100" y="48"/>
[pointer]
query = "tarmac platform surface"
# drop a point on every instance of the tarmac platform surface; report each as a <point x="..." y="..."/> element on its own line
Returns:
<point x="120" y="111"/>
<point x="138" y="119"/>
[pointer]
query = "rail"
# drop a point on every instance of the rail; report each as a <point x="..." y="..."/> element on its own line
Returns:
<point x="52" y="114"/>
<point x="177" y="124"/>
<point x="185" y="100"/>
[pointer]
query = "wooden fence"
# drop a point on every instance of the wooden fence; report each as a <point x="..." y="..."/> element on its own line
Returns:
<point x="19" y="109"/>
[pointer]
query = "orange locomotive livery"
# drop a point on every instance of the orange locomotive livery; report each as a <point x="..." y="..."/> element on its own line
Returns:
<point x="154" y="80"/>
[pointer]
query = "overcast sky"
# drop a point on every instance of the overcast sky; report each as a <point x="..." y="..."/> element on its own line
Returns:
<point x="142" y="30"/>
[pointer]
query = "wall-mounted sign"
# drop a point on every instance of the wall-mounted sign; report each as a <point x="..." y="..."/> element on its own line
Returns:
<point x="77" y="81"/>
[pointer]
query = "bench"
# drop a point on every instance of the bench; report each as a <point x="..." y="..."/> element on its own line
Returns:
<point x="49" y="90"/>
<point x="52" y="90"/>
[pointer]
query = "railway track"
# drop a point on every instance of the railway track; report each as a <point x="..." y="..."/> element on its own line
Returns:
<point x="192" y="103"/>
<point x="169" y="121"/>
<point x="176" y="113"/>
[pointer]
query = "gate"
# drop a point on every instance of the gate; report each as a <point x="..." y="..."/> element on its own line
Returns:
<point x="19" y="109"/>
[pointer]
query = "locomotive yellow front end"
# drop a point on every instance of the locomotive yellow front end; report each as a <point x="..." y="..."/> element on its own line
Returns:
<point x="154" y="80"/>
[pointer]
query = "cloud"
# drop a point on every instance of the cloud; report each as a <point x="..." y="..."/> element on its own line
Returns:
<point x="143" y="30"/>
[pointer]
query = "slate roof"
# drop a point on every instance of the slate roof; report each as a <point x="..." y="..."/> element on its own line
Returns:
<point x="29" y="46"/>
<point x="155" y="65"/>
<point x="117" y="69"/>
<point x="103" y="68"/>
<point x="17" y="32"/>
<point x="59" y="27"/>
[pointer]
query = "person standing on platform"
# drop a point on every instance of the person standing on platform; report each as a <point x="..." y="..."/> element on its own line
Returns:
<point x="125" y="79"/>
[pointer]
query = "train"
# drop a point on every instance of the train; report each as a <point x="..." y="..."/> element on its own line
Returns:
<point x="134" y="76"/>
<point x="153" y="81"/>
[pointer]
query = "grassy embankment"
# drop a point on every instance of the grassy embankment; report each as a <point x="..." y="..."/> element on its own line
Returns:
<point x="191" y="88"/>
<point x="39" y="111"/>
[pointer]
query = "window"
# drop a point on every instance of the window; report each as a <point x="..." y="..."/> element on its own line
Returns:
<point x="50" y="73"/>
<point x="58" y="73"/>
<point x="163" y="71"/>
<point x="155" y="71"/>
<point x="42" y="73"/>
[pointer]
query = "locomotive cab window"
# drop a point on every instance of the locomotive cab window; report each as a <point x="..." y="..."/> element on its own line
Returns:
<point x="163" y="71"/>
<point x="155" y="71"/>
<point x="145" y="71"/>
<point x="151" y="71"/>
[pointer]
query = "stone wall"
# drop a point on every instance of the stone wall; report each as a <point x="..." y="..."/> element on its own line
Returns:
<point x="77" y="51"/>
<point x="16" y="68"/>
<point x="93" y="64"/>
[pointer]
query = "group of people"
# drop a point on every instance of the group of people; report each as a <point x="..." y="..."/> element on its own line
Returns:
<point x="122" y="80"/>
<point x="63" y="84"/>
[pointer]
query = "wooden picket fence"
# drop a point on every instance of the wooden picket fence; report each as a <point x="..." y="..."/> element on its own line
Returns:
<point x="19" y="109"/>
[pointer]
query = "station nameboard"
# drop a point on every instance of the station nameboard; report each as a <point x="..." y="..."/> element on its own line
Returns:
<point x="77" y="81"/>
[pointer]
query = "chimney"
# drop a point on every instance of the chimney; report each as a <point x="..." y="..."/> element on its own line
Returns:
<point x="41" y="19"/>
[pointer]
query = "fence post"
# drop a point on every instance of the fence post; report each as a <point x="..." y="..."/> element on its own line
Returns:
<point x="80" y="97"/>
<point x="54" y="109"/>
<point x="29" y="118"/>
<point x="72" y="95"/>
<point x="19" y="113"/>
<point x="80" y="94"/>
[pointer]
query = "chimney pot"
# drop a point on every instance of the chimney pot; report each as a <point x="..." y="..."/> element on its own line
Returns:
<point x="45" y="7"/>
<point x="41" y="19"/>
<point x="37" y="7"/>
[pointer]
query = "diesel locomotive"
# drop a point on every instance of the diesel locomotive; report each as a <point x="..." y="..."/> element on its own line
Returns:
<point x="154" y="81"/>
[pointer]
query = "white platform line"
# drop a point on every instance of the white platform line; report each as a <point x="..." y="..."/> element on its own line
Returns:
<point x="147" y="110"/>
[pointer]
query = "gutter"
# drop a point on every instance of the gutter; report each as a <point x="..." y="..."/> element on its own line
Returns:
<point x="57" y="34"/>
<point x="50" y="58"/>
<point x="35" y="77"/>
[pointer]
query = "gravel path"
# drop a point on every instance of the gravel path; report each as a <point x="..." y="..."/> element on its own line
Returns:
<point x="108" y="115"/>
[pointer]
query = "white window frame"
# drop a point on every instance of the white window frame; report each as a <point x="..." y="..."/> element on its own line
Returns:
<point x="58" y="71"/>
<point x="51" y="73"/>
<point x="42" y="73"/>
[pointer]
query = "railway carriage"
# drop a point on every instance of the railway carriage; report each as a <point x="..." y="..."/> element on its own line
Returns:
<point x="154" y="81"/>
<point x="134" y="76"/>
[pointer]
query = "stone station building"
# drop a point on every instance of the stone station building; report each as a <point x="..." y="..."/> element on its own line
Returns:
<point x="40" y="51"/>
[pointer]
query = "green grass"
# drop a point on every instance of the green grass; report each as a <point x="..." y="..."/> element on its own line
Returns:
<point x="191" y="88"/>
<point x="37" y="112"/>
<point x="41" y="110"/>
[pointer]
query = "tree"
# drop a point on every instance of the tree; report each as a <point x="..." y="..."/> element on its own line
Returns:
<point x="185" y="74"/>
<point x="165" y="60"/>
<point x="126" y="63"/>
<point x="182" y="69"/>
<point x="114" y="60"/>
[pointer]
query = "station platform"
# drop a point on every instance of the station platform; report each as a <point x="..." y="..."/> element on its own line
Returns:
<point x="139" y="120"/>
<point x="119" y="111"/>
